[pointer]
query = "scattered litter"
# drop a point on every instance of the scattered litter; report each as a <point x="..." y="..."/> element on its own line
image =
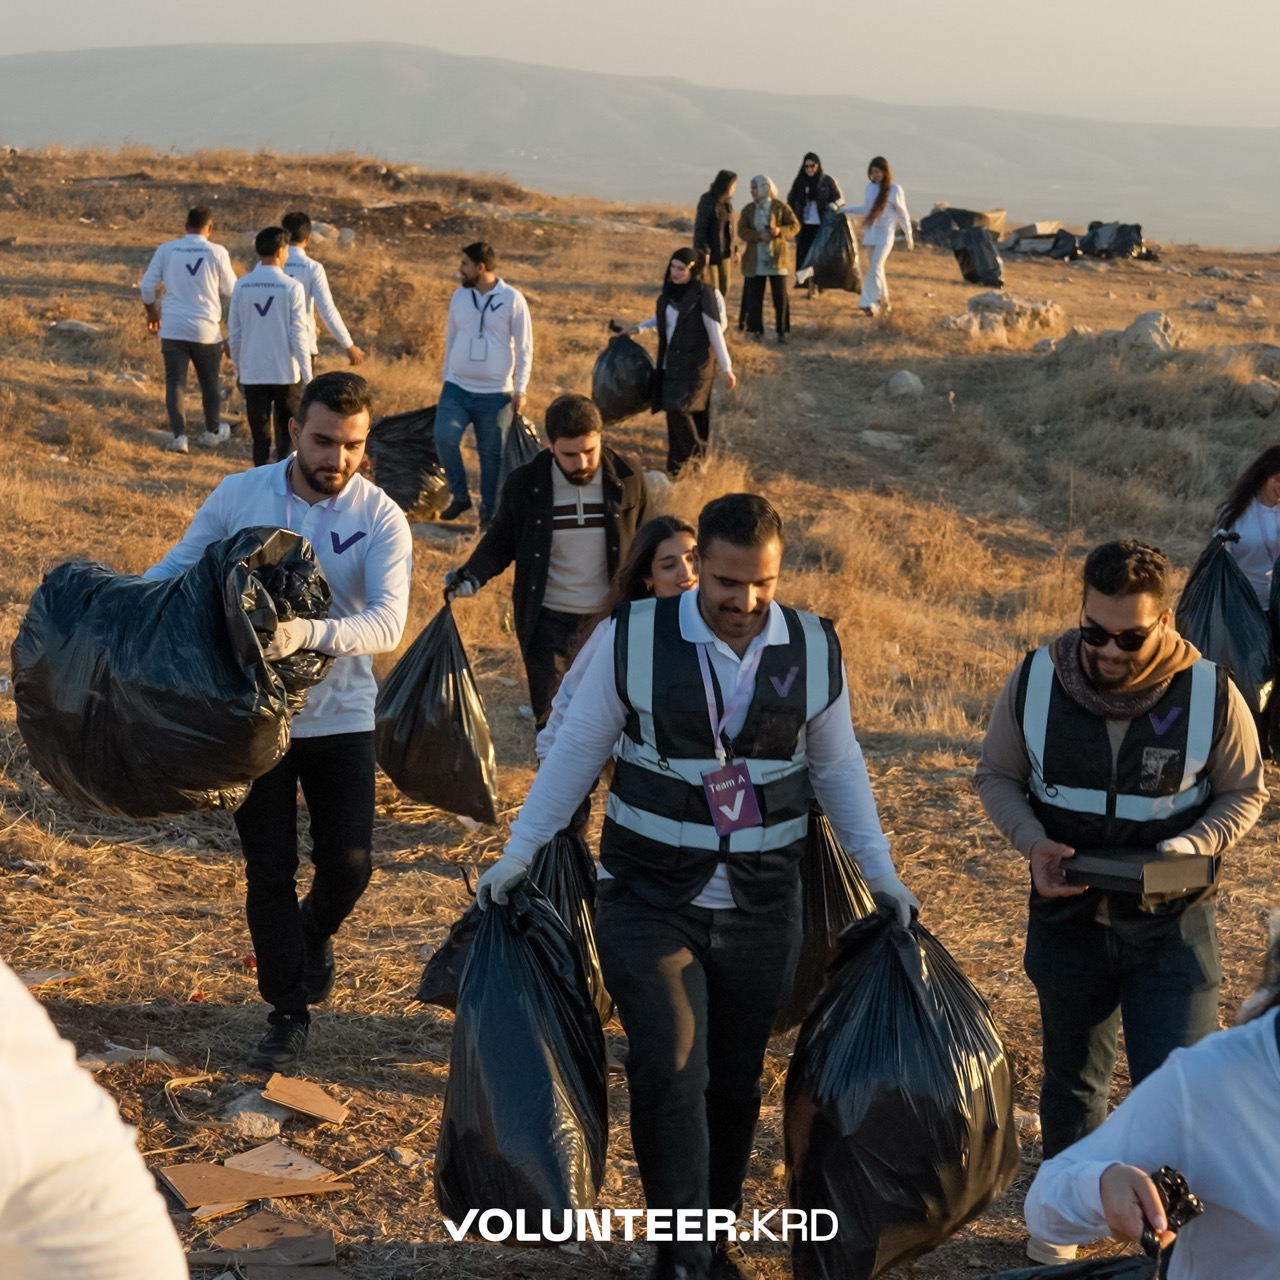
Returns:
<point x="305" y="1097"/>
<point x="116" y="1054"/>
<point x="75" y="326"/>
<point x="406" y="1157"/>
<point x="207" y="1184"/>
<point x="45" y="977"/>
<point x="274" y="1160"/>
<point x="267" y="1238"/>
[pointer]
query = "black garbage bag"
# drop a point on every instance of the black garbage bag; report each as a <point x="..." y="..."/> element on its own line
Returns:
<point x="622" y="380"/>
<point x="564" y="871"/>
<point x="975" y="250"/>
<point x="1065" y="247"/>
<point x="1219" y="613"/>
<point x="402" y="452"/>
<point x="1134" y="1267"/>
<point x="833" y="255"/>
<point x="936" y="228"/>
<point x="1115" y="240"/>
<point x="141" y="697"/>
<point x="899" y="1107"/>
<point x="443" y="973"/>
<point x="525" y="1121"/>
<point x="430" y="732"/>
<point x="833" y="896"/>
<point x="521" y="445"/>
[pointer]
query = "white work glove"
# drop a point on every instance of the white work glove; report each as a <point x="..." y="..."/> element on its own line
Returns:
<point x="888" y="891"/>
<point x="459" y="583"/>
<point x="289" y="638"/>
<point x="1177" y="844"/>
<point x="502" y="877"/>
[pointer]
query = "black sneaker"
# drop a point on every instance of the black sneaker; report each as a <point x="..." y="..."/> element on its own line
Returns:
<point x="317" y="965"/>
<point x="455" y="508"/>
<point x="730" y="1262"/>
<point x="283" y="1044"/>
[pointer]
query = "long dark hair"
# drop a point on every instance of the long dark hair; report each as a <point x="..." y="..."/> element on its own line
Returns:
<point x="882" y="196"/>
<point x="1252" y="478"/>
<point x="722" y="182"/>
<point x="628" y="582"/>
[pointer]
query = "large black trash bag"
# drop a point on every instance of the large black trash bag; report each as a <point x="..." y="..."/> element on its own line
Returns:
<point x="1065" y="247"/>
<point x="141" y="698"/>
<point x="833" y="255"/>
<point x="430" y="732"/>
<point x="564" y="871"/>
<point x="520" y="446"/>
<point x="899" y="1107"/>
<point x="622" y="380"/>
<point x="1115" y="240"/>
<point x="443" y="972"/>
<point x="402" y="450"/>
<point x="833" y="896"/>
<point x="525" y="1121"/>
<point x="936" y="228"/>
<point x="1134" y="1267"/>
<point x="975" y="250"/>
<point x="1219" y="613"/>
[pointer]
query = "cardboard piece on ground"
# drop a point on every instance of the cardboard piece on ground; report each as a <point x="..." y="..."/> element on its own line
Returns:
<point x="267" y="1238"/>
<point x="276" y="1160"/>
<point x="303" y="1096"/>
<point x="292" y="1273"/>
<point x="204" y="1184"/>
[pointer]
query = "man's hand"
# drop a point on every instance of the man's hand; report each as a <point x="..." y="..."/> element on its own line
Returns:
<point x="500" y="879"/>
<point x="355" y="355"/>
<point x="289" y="638"/>
<point x="459" y="583"/>
<point x="1130" y="1201"/>
<point x="889" y="891"/>
<point x="226" y="349"/>
<point x="1178" y="845"/>
<point x="731" y="380"/>
<point x="518" y="402"/>
<point x="153" y="317"/>
<point x="1046" y="870"/>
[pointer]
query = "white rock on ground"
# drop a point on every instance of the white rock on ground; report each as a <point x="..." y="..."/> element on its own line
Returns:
<point x="886" y="440"/>
<point x="251" y="1116"/>
<point x="1263" y="396"/>
<point x="1151" y="335"/>
<point x="905" y="383"/>
<point x="1017" y="312"/>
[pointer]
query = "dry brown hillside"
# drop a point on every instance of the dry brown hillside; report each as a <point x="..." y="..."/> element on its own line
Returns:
<point x="942" y="546"/>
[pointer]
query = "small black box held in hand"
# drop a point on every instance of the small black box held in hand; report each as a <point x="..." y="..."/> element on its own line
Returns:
<point x="1140" y="871"/>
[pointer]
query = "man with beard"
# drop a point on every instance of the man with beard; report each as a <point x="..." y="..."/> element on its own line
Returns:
<point x="726" y="712"/>
<point x="1118" y="735"/>
<point x="567" y="519"/>
<point x="362" y="541"/>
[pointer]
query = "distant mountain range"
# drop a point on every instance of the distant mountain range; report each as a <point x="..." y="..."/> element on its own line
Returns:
<point x="633" y="139"/>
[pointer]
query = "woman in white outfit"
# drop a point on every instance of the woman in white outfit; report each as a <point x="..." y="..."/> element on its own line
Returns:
<point x="884" y="211"/>
<point x="1252" y="510"/>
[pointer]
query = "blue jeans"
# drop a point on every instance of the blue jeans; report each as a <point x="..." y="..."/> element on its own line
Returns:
<point x="490" y="414"/>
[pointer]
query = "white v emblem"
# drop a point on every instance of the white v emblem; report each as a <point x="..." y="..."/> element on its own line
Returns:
<point x="731" y="811"/>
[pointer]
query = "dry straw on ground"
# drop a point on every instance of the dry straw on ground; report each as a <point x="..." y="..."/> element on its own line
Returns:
<point x="941" y="560"/>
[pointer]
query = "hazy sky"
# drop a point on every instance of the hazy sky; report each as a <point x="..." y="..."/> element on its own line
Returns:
<point x="1179" y="61"/>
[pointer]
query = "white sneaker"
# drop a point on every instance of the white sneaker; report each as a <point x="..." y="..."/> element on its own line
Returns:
<point x="177" y="445"/>
<point x="1050" y="1255"/>
<point x="210" y="439"/>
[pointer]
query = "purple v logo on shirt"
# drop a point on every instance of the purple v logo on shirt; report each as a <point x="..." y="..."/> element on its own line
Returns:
<point x="193" y="267"/>
<point x="339" y="544"/>
<point x="783" y="687"/>
<point x="263" y="307"/>
<point x="1162" y="724"/>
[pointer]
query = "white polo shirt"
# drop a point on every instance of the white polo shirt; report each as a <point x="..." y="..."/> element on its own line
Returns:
<point x="196" y="275"/>
<point x="362" y="541"/>
<point x="267" y="329"/>
<point x="314" y="280"/>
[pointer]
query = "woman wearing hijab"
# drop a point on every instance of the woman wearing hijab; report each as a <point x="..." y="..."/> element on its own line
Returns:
<point x="765" y="226"/>
<point x="884" y="210"/>
<point x="690" y="321"/>
<point x="713" y="230"/>
<point x="814" y="194"/>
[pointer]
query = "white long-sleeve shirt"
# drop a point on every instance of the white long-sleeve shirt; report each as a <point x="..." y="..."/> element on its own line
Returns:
<point x="267" y="329"/>
<point x="1213" y="1113"/>
<point x="196" y="275"/>
<point x="1258" y="548"/>
<point x="715" y="330"/>
<point x="893" y="216"/>
<point x="362" y="541"/>
<point x="596" y="717"/>
<point x="76" y="1200"/>
<point x="314" y="280"/>
<point x="488" y="341"/>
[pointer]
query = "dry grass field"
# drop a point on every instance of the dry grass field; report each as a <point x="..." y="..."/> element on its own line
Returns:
<point x="941" y="559"/>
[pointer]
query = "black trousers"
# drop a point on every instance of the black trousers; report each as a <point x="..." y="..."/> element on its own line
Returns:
<point x="687" y="436"/>
<point x="753" y="303"/>
<point x="547" y="655"/>
<point x="804" y="240"/>
<point x="263" y="402"/>
<point x="336" y="775"/>
<point x="178" y="358"/>
<point x="697" y="992"/>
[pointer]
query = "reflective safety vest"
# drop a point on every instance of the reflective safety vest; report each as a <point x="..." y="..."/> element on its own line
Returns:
<point x="658" y="837"/>
<point x="1158" y="785"/>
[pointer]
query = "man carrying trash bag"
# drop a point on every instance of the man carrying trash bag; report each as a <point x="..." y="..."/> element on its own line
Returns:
<point x="723" y="708"/>
<point x="1118" y="736"/>
<point x="362" y="541"/>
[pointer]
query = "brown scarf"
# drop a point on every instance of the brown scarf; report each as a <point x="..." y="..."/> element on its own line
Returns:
<point x="1137" y="697"/>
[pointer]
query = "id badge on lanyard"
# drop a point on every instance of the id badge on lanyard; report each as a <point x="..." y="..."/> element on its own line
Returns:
<point x="731" y="795"/>
<point x="479" y="346"/>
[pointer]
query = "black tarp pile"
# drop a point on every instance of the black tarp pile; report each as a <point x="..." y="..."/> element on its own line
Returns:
<point x="1219" y="613"/>
<point x="1116" y="240"/>
<point x="402" y="451"/>
<point x="430" y="732"/>
<point x="525" y="1120"/>
<point x="833" y="896"/>
<point x="936" y="228"/>
<point x="833" y="255"/>
<point x="521" y="445"/>
<point x="622" y="380"/>
<point x="899" y="1107"/>
<point x="977" y="256"/>
<point x="142" y="698"/>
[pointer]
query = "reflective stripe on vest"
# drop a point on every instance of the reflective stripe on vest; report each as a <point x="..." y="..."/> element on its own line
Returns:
<point x="1192" y="791"/>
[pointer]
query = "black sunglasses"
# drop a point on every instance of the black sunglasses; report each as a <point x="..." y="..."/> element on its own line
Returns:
<point x="1126" y="641"/>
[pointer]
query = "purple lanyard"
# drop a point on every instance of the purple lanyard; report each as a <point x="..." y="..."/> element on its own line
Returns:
<point x="742" y="691"/>
<point x="289" y="501"/>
